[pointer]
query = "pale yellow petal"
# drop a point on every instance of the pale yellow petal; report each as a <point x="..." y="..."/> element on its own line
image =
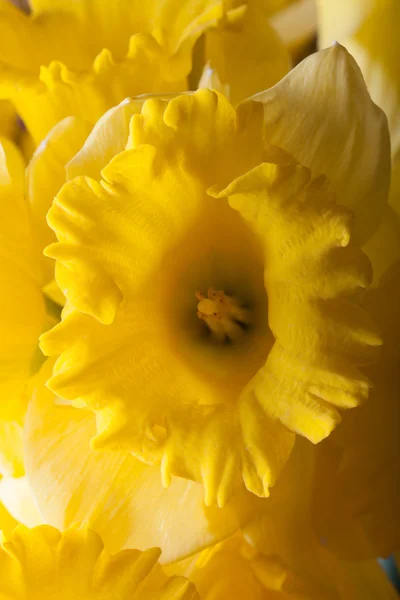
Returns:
<point x="368" y="29"/>
<point x="46" y="174"/>
<point x="108" y="137"/>
<point x="16" y="496"/>
<point x="130" y="507"/>
<point x="351" y="146"/>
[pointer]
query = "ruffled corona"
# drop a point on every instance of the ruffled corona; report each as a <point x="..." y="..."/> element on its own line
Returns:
<point x="44" y="563"/>
<point x="197" y="201"/>
<point x="81" y="58"/>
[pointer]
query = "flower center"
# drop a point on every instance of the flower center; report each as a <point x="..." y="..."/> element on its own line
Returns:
<point x="225" y="316"/>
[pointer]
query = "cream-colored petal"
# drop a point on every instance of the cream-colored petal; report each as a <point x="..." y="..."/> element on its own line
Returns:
<point x="46" y="174"/>
<point x="322" y="114"/>
<point x="368" y="29"/>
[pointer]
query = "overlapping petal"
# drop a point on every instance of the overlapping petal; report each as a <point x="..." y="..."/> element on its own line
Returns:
<point x="134" y="248"/>
<point x="368" y="29"/>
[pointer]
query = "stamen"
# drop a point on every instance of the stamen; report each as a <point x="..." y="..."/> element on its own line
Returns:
<point x="224" y="315"/>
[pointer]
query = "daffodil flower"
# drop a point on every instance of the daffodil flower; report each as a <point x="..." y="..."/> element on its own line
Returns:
<point x="80" y="58"/>
<point x="211" y="279"/>
<point x="44" y="563"/>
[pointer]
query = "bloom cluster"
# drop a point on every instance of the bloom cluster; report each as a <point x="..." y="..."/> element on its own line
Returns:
<point x="200" y="275"/>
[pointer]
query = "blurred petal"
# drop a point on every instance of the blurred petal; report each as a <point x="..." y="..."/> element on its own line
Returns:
<point x="351" y="147"/>
<point x="358" y="484"/>
<point x="296" y="24"/>
<point x="248" y="55"/>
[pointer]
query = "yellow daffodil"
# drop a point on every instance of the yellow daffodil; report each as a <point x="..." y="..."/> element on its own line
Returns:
<point x="44" y="563"/>
<point x="201" y="337"/>
<point x="80" y="58"/>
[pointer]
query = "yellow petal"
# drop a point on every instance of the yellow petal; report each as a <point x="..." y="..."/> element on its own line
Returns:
<point x="43" y="562"/>
<point x="46" y="174"/>
<point x="248" y="55"/>
<point x="330" y="83"/>
<point x="131" y="508"/>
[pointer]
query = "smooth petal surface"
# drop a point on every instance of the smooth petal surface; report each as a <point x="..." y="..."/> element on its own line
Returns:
<point x="130" y="508"/>
<point x="368" y="29"/>
<point x="351" y="147"/>
<point x="46" y="174"/>
<point x="42" y="562"/>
